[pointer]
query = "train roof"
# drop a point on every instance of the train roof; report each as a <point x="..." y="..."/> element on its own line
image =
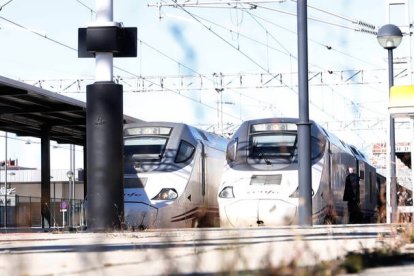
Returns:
<point x="330" y="135"/>
<point x="212" y="139"/>
<point x="275" y="120"/>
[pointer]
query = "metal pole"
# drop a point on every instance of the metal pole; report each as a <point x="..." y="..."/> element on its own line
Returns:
<point x="54" y="204"/>
<point x="70" y="188"/>
<point x="304" y="153"/>
<point x="5" y="183"/>
<point x="393" y="178"/>
<point x="104" y="61"/>
<point x="412" y="163"/>
<point x="72" y="185"/>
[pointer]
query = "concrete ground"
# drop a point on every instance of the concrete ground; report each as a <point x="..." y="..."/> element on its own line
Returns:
<point x="190" y="251"/>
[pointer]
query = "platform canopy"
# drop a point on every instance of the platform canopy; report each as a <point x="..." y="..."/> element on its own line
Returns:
<point x="26" y="109"/>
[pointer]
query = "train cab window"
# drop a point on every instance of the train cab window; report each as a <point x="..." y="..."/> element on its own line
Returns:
<point x="185" y="152"/>
<point x="272" y="146"/>
<point x="277" y="143"/>
<point x="232" y="150"/>
<point x="146" y="148"/>
<point x="281" y="147"/>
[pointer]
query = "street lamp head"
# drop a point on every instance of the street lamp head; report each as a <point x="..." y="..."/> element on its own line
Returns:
<point x="389" y="36"/>
<point x="69" y="174"/>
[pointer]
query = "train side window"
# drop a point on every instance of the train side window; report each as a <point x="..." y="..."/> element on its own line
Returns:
<point x="231" y="151"/>
<point x="185" y="152"/>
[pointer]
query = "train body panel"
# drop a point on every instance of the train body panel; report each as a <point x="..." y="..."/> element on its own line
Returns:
<point x="166" y="180"/>
<point x="260" y="182"/>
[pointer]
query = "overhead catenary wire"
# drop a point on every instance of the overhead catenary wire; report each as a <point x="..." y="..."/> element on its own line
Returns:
<point x="142" y="42"/>
<point x="72" y="48"/>
<point x="256" y="4"/>
<point x="121" y="69"/>
<point x="5" y="4"/>
<point x="213" y="23"/>
<point x="318" y="43"/>
<point x="238" y="2"/>
<point x="245" y="55"/>
<point x="192" y="15"/>
<point x="44" y="36"/>
<point x="86" y="6"/>
<point x="329" y="47"/>
<point x="265" y="44"/>
<point x="191" y="69"/>
<point x="38" y="33"/>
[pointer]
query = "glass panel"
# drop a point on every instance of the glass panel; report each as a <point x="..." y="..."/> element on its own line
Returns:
<point x="185" y="151"/>
<point x="232" y="150"/>
<point x="273" y="146"/>
<point x="280" y="146"/>
<point x="148" y="131"/>
<point x="144" y="148"/>
<point x="273" y="127"/>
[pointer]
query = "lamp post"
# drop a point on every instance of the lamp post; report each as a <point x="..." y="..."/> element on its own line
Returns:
<point x="69" y="174"/>
<point x="389" y="37"/>
<point x="54" y="202"/>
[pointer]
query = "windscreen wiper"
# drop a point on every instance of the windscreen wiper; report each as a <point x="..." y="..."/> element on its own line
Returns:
<point x="267" y="161"/>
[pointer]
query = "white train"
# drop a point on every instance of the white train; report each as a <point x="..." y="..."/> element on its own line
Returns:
<point x="260" y="182"/>
<point x="172" y="174"/>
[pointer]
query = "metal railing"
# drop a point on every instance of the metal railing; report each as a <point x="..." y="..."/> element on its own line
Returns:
<point x="25" y="211"/>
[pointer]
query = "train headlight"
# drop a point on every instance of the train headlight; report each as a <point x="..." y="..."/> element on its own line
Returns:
<point x="166" y="194"/>
<point x="227" y="192"/>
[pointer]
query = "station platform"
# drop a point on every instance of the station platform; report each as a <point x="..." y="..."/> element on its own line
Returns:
<point x="207" y="251"/>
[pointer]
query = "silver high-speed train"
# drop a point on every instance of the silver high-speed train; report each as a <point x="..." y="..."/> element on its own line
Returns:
<point x="260" y="182"/>
<point x="172" y="174"/>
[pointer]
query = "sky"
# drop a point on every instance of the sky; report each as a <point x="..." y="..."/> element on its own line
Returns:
<point x="187" y="54"/>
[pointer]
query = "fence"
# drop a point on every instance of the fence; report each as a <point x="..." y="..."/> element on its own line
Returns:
<point x="25" y="211"/>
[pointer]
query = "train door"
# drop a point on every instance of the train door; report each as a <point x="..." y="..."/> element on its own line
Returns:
<point x="328" y="195"/>
<point x="198" y="177"/>
<point x="192" y="199"/>
<point x="196" y="195"/>
<point x="329" y="172"/>
<point x="203" y="172"/>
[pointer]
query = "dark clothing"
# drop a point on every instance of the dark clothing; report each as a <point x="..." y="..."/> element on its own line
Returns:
<point x="354" y="212"/>
<point x="351" y="194"/>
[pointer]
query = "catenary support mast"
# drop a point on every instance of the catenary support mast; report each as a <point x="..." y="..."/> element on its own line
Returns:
<point x="305" y="172"/>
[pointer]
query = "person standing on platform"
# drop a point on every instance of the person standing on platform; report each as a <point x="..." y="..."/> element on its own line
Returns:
<point x="352" y="196"/>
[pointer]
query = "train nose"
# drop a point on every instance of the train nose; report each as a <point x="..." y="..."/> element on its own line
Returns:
<point x="248" y="213"/>
<point x="139" y="215"/>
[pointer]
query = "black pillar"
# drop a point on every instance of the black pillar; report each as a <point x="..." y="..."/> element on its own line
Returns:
<point x="45" y="207"/>
<point x="104" y="142"/>
<point x="85" y="171"/>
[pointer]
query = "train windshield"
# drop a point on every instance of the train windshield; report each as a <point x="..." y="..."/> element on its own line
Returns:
<point x="273" y="146"/>
<point x="277" y="143"/>
<point x="145" y="147"/>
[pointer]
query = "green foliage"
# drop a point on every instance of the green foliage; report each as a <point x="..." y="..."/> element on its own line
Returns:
<point x="356" y="262"/>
